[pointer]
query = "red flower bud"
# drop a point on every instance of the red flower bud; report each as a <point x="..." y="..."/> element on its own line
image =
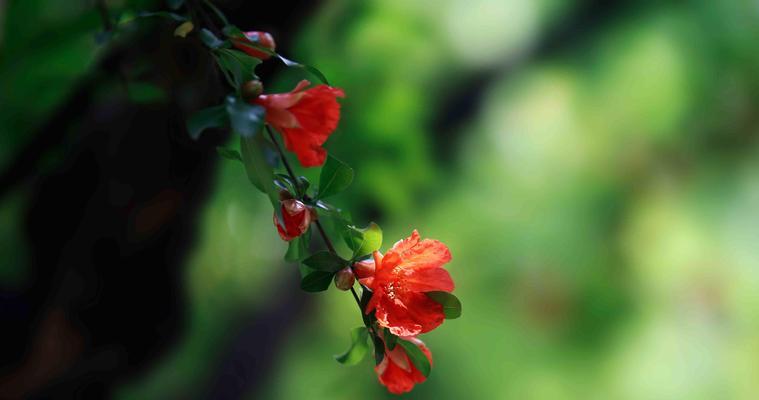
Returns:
<point x="260" y="38"/>
<point x="344" y="279"/>
<point x="397" y="372"/>
<point x="365" y="271"/>
<point x="296" y="217"/>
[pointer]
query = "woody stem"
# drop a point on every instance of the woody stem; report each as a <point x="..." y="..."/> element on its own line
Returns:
<point x="318" y="223"/>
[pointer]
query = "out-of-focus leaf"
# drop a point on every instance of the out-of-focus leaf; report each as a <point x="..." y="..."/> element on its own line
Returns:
<point x="184" y="29"/>
<point x="293" y="250"/>
<point x="335" y="177"/>
<point x="212" y="117"/>
<point x="416" y="356"/>
<point x="174" y="4"/>
<point x="359" y="347"/>
<point x="247" y="120"/>
<point x="229" y="154"/>
<point x="325" y="261"/>
<point x="233" y="32"/>
<point x="240" y="66"/>
<point x="145" y="93"/>
<point x="210" y="40"/>
<point x="259" y="172"/>
<point x="451" y="304"/>
<point x="162" y="14"/>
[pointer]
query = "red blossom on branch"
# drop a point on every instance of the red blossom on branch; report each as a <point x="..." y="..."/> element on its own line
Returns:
<point x="296" y="217"/>
<point x="305" y="117"/>
<point x="263" y="39"/>
<point x="404" y="293"/>
<point x="397" y="372"/>
<point x="401" y="278"/>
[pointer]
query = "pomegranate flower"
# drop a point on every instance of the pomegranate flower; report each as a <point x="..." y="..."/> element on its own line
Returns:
<point x="296" y="217"/>
<point x="401" y="278"/>
<point x="305" y="117"/>
<point x="397" y="372"/>
<point x="263" y="39"/>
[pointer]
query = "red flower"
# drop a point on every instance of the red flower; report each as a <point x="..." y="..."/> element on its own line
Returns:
<point x="305" y="117"/>
<point x="397" y="372"/>
<point x="296" y="216"/>
<point x="401" y="278"/>
<point x="261" y="38"/>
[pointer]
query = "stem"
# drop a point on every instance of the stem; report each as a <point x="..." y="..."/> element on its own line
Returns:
<point x="282" y="156"/>
<point x="318" y="223"/>
<point x="216" y="11"/>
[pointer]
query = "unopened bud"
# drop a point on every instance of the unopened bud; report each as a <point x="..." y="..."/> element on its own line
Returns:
<point x="344" y="279"/>
<point x="364" y="269"/>
<point x="285" y="195"/>
<point x="250" y="90"/>
<point x="263" y="39"/>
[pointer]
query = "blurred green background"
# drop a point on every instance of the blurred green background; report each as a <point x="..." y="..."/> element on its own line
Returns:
<point x="595" y="175"/>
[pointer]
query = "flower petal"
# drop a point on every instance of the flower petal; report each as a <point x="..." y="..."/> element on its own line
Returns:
<point x="409" y="314"/>
<point x="427" y="280"/>
<point x="427" y="253"/>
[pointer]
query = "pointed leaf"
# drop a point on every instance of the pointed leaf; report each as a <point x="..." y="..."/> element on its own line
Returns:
<point x="229" y="154"/>
<point x="363" y="241"/>
<point x="325" y="261"/>
<point x="162" y="14"/>
<point x="417" y="357"/>
<point x="316" y="281"/>
<point x="335" y="177"/>
<point x="259" y="172"/>
<point x="212" y="117"/>
<point x="238" y="65"/>
<point x="451" y="304"/>
<point x="246" y="119"/>
<point x="359" y="347"/>
<point x="210" y="40"/>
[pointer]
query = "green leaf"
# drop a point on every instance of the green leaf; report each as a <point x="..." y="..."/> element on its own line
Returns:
<point x="259" y="171"/>
<point x="284" y="182"/>
<point x="316" y="281"/>
<point x="335" y="177"/>
<point x="210" y="40"/>
<point x="161" y="14"/>
<point x="390" y="339"/>
<point x="237" y="65"/>
<point x="417" y="357"/>
<point x="303" y="184"/>
<point x="363" y="241"/>
<point x="246" y="119"/>
<point x="229" y="154"/>
<point x="174" y="4"/>
<point x="451" y="304"/>
<point x="233" y="31"/>
<point x="146" y="93"/>
<point x="312" y="70"/>
<point x="359" y="347"/>
<point x="297" y="248"/>
<point x="212" y="117"/>
<point x="293" y="250"/>
<point x="325" y="261"/>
